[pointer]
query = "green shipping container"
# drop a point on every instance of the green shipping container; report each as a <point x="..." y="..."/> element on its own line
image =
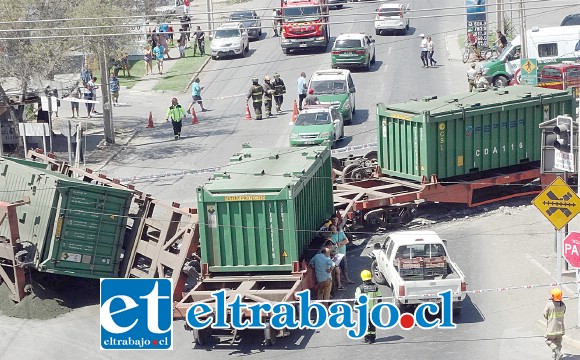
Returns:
<point x="466" y="133"/>
<point x="69" y="227"/>
<point x="263" y="211"/>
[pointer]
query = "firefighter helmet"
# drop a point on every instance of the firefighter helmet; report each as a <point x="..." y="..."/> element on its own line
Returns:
<point x="266" y="78"/>
<point x="255" y="79"/>
<point x="556" y="294"/>
<point x="276" y="76"/>
<point x="366" y="275"/>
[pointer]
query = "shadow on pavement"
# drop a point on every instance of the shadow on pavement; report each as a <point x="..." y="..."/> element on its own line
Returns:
<point x="250" y="342"/>
<point x="469" y="314"/>
<point x="360" y="116"/>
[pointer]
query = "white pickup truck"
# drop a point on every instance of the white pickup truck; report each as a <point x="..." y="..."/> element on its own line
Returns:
<point x="416" y="266"/>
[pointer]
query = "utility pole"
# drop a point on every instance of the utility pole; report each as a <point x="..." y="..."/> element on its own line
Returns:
<point x="500" y="16"/>
<point x="523" y="37"/>
<point x="107" y="116"/>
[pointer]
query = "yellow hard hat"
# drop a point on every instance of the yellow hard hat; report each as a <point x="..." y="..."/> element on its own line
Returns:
<point x="366" y="275"/>
<point x="556" y="294"/>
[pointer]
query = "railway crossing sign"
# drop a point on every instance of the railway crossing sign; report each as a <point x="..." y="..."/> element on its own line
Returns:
<point x="558" y="202"/>
<point x="529" y="72"/>
<point x="572" y="249"/>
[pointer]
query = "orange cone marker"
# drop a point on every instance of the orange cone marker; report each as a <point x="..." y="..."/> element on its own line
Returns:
<point x="150" y="125"/>
<point x="193" y="116"/>
<point x="248" y="116"/>
<point x="295" y="112"/>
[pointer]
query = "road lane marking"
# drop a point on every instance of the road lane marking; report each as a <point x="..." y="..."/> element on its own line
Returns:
<point x="386" y="65"/>
<point x="546" y="271"/>
<point x="389" y="52"/>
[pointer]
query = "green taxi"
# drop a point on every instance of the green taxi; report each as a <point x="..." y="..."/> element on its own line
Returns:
<point x="353" y="50"/>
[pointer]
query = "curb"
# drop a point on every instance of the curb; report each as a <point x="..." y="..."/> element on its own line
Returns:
<point x="566" y="339"/>
<point x="196" y="74"/>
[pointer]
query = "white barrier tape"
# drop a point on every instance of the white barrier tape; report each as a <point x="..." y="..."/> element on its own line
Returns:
<point x="225" y="97"/>
<point x="509" y="288"/>
<point x="353" y="148"/>
<point x="169" y="174"/>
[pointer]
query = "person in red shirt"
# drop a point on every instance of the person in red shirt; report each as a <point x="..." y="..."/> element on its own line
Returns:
<point x="472" y="39"/>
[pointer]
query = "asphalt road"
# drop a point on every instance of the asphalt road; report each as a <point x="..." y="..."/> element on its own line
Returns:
<point x="503" y="248"/>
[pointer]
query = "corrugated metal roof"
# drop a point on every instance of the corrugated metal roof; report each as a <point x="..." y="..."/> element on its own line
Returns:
<point x="452" y="103"/>
<point x="265" y="169"/>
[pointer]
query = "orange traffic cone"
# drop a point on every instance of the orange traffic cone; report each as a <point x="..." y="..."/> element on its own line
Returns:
<point x="248" y="116"/>
<point x="193" y="116"/>
<point x="150" y="125"/>
<point x="295" y="112"/>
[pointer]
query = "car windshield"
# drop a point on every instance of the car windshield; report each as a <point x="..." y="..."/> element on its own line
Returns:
<point x="328" y="86"/>
<point x="348" y="43"/>
<point x="300" y="13"/>
<point x="571" y="20"/>
<point x="389" y="13"/>
<point x="319" y="118"/>
<point x="226" y="33"/>
<point x="241" y="16"/>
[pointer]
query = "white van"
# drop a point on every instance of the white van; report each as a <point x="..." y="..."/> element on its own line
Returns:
<point x="548" y="45"/>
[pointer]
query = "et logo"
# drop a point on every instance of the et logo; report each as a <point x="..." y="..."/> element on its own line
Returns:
<point x="136" y="314"/>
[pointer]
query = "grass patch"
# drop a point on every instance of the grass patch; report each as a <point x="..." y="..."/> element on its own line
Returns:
<point x="179" y="75"/>
<point x="137" y="69"/>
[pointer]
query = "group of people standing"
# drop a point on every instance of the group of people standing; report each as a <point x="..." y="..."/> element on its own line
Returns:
<point x="157" y="47"/>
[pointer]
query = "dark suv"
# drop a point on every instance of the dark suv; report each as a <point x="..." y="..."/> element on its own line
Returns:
<point x="571" y="20"/>
<point x="251" y="21"/>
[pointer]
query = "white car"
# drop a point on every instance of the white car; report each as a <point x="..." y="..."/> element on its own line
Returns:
<point x="230" y="40"/>
<point x="392" y="17"/>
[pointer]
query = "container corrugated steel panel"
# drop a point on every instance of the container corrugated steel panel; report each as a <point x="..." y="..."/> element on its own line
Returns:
<point x="73" y="227"/>
<point x="261" y="214"/>
<point x="466" y="133"/>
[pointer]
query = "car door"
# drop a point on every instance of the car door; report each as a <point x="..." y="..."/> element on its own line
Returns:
<point x="336" y="123"/>
<point x="370" y="46"/>
<point x="384" y="257"/>
<point x="351" y="91"/>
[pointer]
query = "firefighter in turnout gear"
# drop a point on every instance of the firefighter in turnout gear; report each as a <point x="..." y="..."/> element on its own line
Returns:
<point x="256" y="93"/>
<point x="175" y="113"/>
<point x="554" y="315"/>
<point x="371" y="290"/>
<point x="280" y="90"/>
<point x="268" y="92"/>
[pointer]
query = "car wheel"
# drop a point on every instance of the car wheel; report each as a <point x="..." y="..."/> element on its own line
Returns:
<point x="334" y="66"/>
<point x="284" y="51"/>
<point x="377" y="32"/>
<point x="213" y="57"/>
<point x="377" y="275"/>
<point x="500" y="81"/>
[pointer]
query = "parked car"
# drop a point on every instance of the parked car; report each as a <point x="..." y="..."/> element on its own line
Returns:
<point x="416" y="265"/>
<point x="335" y="86"/>
<point x="251" y="21"/>
<point x="230" y="39"/>
<point x="317" y="125"/>
<point x="392" y="17"/>
<point x="336" y="4"/>
<point x="570" y="20"/>
<point x="353" y="50"/>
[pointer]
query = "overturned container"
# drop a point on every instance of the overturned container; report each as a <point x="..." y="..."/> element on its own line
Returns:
<point x="463" y="134"/>
<point x="261" y="213"/>
<point x="66" y="226"/>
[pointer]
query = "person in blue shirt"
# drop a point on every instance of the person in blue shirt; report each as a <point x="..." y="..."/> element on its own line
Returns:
<point x="323" y="267"/>
<point x="114" y="87"/>
<point x="164" y="30"/>
<point x="86" y="75"/>
<point x="158" y="53"/>
<point x="196" y="96"/>
<point x="339" y="239"/>
<point x="301" y="85"/>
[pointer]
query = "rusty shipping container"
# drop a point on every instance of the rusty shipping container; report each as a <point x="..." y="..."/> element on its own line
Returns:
<point x="68" y="226"/>
<point x="466" y="133"/>
<point x="261" y="213"/>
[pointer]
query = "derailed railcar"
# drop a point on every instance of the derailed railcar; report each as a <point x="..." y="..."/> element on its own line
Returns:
<point x="462" y="148"/>
<point x="257" y="222"/>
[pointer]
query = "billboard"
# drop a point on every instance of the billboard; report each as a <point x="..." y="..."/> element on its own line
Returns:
<point x="477" y="20"/>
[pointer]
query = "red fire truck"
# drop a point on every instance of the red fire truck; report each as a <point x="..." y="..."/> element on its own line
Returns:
<point x="560" y="76"/>
<point x="304" y="24"/>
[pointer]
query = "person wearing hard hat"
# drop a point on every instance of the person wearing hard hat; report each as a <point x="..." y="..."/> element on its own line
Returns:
<point x="268" y="93"/>
<point x="554" y="315"/>
<point x="280" y="89"/>
<point x="471" y="74"/>
<point x="256" y="93"/>
<point x="371" y="290"/>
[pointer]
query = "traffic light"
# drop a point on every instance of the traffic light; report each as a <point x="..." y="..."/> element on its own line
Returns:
<point x="564" y="134"/>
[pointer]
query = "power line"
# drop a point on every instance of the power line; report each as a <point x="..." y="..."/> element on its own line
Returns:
<point x="136" y="33"/>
